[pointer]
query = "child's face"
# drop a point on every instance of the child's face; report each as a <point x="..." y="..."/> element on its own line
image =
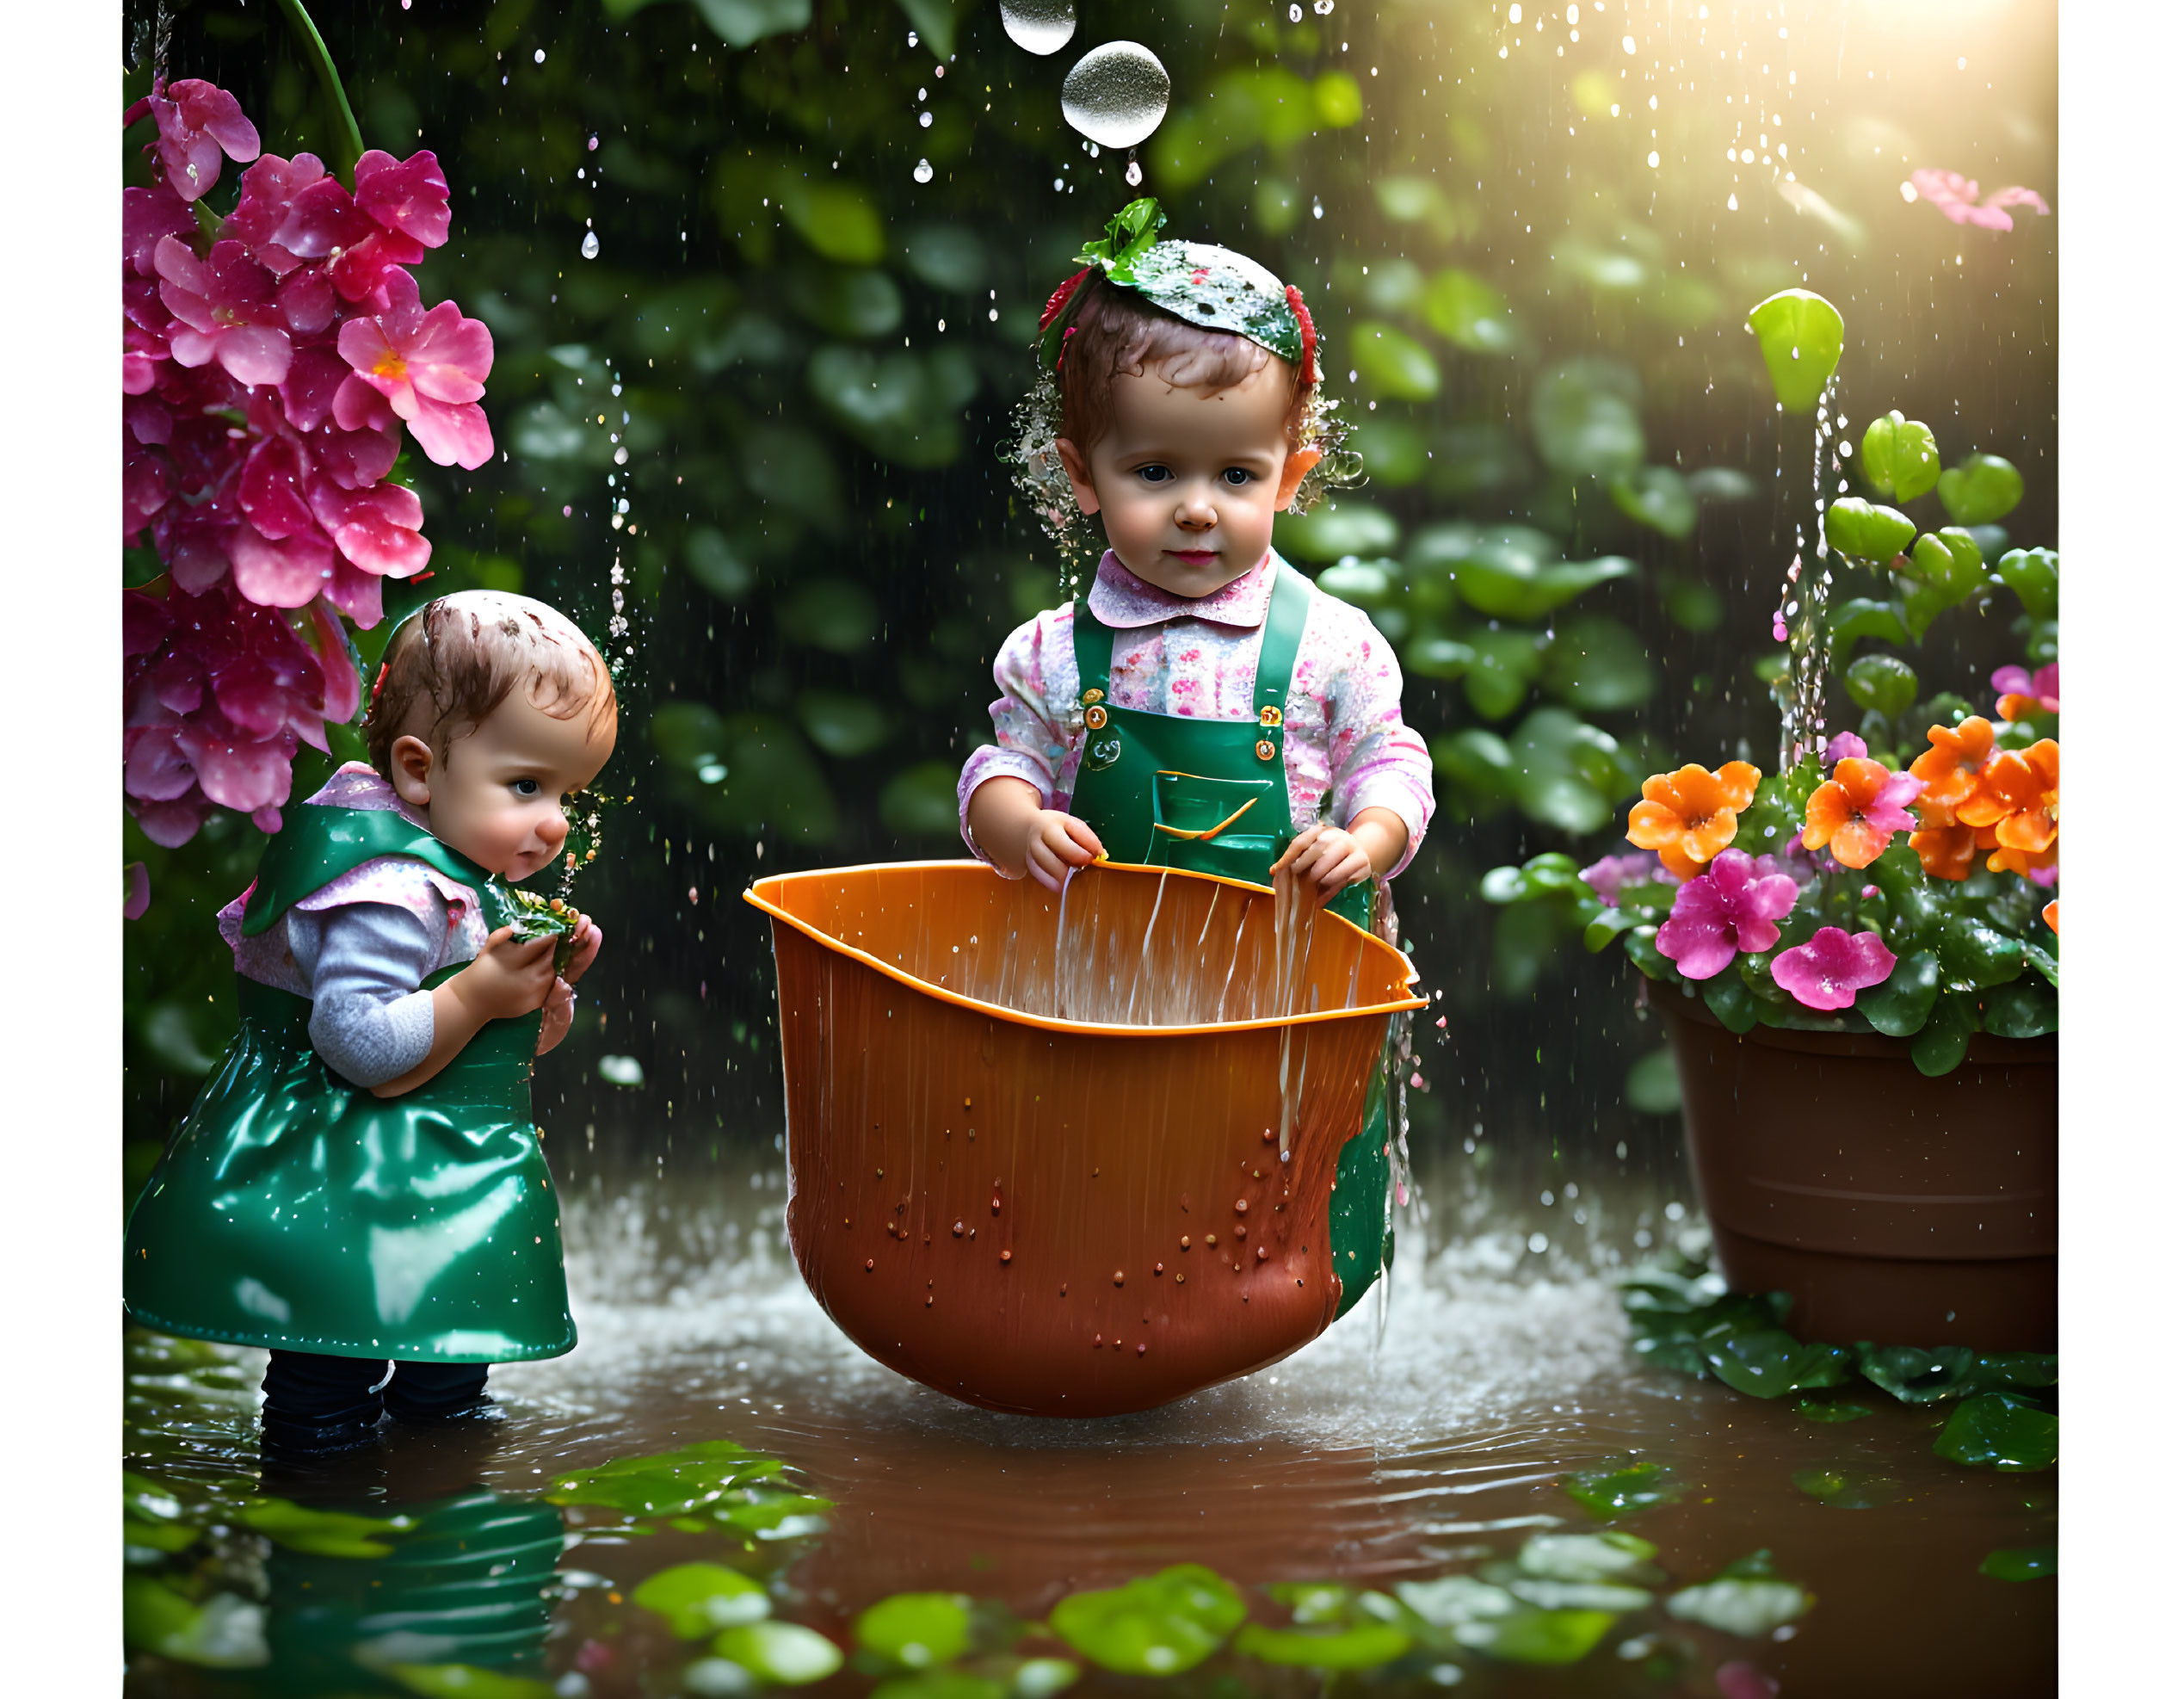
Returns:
<point x="496" y="794"/>
<point x="1187" y="482"/>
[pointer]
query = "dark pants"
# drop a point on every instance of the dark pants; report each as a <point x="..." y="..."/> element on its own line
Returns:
<point x="316" y="1402"/>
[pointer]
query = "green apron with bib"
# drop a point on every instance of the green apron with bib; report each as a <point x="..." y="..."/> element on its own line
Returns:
<point x="1212" y="796"/>
<point x="293" y="1209"/>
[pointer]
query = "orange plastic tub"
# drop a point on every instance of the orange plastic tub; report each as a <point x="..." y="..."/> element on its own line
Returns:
<point x="1076" y="1200"/>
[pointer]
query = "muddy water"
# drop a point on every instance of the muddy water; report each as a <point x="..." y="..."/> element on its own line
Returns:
<point x="1406" y="1450"/>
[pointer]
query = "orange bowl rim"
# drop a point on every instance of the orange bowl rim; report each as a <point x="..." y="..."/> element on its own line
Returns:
<point x="1001" y="1012"/>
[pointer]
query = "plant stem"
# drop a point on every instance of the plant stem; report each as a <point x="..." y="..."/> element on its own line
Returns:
<point x="350" y="138"/>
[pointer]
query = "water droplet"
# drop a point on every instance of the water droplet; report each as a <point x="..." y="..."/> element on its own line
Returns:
<point x="922" y="171"/>
<point x="1039" y="26"/>
<point x="590" y="248"/>
<point x="1296" y="13"/>
<point x="1117" y="94"/>
<point x="1323" y="7"/>
<point x="1133" y="174"/>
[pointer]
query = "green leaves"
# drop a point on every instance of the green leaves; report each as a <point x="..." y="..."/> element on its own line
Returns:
<point x="917" y="1630"/>
<point x="1337" y="1628"/>
<point x="906" y="406"/>
<point x="715" y="1481"/>
<point x="1899" y="1005"/>
<point x="1945" y="568"/>
<point x="1875" y="536"/>
<point x="2032" y="573"/>
<point x="1767" y="1362"/>
<point x="1597" y="662"/>
<point x="1342" y="525"/>
<point x="1394" y="365"/>
<point x="1514" y="572"/>
<point x="1469" y="311"/>
<point x="1881" y="683"/>
<point x="1800" y="338"/>
<point x="2020" y="1563"/>
<point x="1847" y="1489"/>
<point x="1655" y="496"/>
<point x="699" y="1599"/>
<point x="1482" y="1617"/>
<point x="740" y="22"/>
<point x="1900" y="457"/>
<point x="1584" y="418"/>
<point x="1156" y="1625"/>
<point x="1980" y="489"/>
<point x="837" y="217"/>
<point x="785" y="1653"/>
<point x="1997" y="1431"/>
<point x="1746" y="1599"/>
<point x="1616" y="1489"/>
<point x="321" y="1533"/>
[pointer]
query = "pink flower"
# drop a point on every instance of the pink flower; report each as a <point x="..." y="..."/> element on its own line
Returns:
<point x="197" y="123"/>
<point x="1829" y="972"/>
<point x="1959" y="199"/>
<point x="377" y="529"/>
<point x="1740" y="1680"/>
<point x="1731" y="906"/>
<point x="147" y="214"/>
<point x="2023" y="694"/>
<point x="269" y="191"/>
<point x="1843" y="746"/>
<point x="409" y="197"/>
<point x="136" y="891"/>
<point x="1608" y="876"/>
<point x="225" y="302"/>
<point x="429" y="368"/>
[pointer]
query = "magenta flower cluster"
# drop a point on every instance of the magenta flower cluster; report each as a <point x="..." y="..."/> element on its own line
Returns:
<point x="268" y="369"/>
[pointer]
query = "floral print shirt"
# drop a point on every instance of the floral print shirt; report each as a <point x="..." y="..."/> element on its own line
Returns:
<point x="1201" y="660"/>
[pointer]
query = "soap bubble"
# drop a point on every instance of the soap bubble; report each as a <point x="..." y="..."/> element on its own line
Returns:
<point x="1039" y="26"/>
<point x="1117" y="94"/>
<point x="591" y="244"/>
<point x="923" y="170"/>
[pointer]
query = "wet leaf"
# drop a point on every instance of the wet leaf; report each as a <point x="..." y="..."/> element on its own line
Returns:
<point x="904" y="405"/>
<point x="1469" y="311"/>
<point x="847" y="303"/>
<point x="917" y="1630"/>
<point x="1656" y="495"/>
<point x="1597" y="662"/>
<point x="1800" y="338"/>
<point x="1868" y="531"/>
<point x="1980" y="489"/>
<point x="1732" y="1001"/>
<point x="321" y="1533"/>
<point x="1882" y="683"/>
<point x="1393" y="365"/>
<point x="1691" y="604"/>
<point x="698" y="1477"/>
<point x="1846" y="1489"/>
<point x="789" y="1516"/>
<point x="783" y="1652"/>
<point x="1363" y="1646"/>
<point x="1475" y="759"/>
<point x="1900" y="457"/>
<point x="1941" y="1044"/>
<point x="1899" y="1005"/>
<point x="2025" y="1008"/>
<point x="1584" y="418"/>
<point x="1746" y="1599"/>
<point x="837" y="217"/>
<point x="1043" y="1677"/>
<point x="1335" y="528"/>
<point x="1995" y="1431"/>
<point x="1513" y="572"/>
<point x="2020" y="1563"/>
<point x="1767" y="1362"/>
<point x="1978" y="955"/>
<point x="1433" y="655"/>
<point x="1918" y="1376"/>
<point x="1862" y="616"/>
<point x="1503" y="665"/>
<point x="1482" y="1617"/>
<point x="1622" y="1489"/>
<point x="699" y="1599"/>
<point x="2033" y="574"/>
<point x="1156" y="1625"/>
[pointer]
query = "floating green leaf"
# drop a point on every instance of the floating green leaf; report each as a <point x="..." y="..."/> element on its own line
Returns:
<point x="1980" y="489"/>
<point x="1847" y="1489"/>
<point x="1746" y="1599"/>
<point x="321" y="1533"/>
<point x="917" y="1630"/>
<point x="466" y="1681"/>
<point x="671" y="1483"/>
<point x="1608" y="1555"/>
<point x="2020" y="1563"/>
<point x="699" y="1599"/>
<point x="1831" y="1409"/>
<point x="783" y="1652"/>
<point x="1900" y="457"/>
<point x="1362" y="1646"/>
<point x="949" y="1684"/>
<point x="1918" y="1376"/>
<point x="1656" y="495"/>
<point x="1394" y="365"/>
<point x="1800" y="338"/>
<point x="1767" y="1362"/>
<point x="1482" y="1617"/>
<point x="224" y="1632"/>
<point x="1997" y="1431"/>
<point x="1618" y="1490"/>
<point x="1156" y="1625"/>
<point x="1866" y="532"/>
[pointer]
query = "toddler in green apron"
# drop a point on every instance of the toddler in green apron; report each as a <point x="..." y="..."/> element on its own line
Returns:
<point x="360" y="1183"/>
<point x="1203" y="705"/>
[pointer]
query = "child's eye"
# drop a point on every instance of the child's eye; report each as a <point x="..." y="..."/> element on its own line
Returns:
<point x="1236" y="478"/>
<point x="525" y="786"/>
<point x="1155" y="474"/>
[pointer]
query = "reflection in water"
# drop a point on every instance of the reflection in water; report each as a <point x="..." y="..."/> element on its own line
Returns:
<point x="1435" y="1444"/>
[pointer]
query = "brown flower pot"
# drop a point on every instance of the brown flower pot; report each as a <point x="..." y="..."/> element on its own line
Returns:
<point x="1891" y="1207"/>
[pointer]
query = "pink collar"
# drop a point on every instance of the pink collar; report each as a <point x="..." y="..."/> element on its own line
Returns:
<point x="1121" y="599"/>
<point x="357" y="785"/>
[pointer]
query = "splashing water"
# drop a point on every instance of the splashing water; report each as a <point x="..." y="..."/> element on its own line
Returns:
<point x="1801" y="619"/>
<point x="1116" y="94"/>
<point x="589" y="248"/>
<point x="1039" y="27"/>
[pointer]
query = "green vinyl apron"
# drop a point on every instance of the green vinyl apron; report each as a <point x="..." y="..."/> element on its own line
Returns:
<point x="292" y="1209"/>
<point x="1212" y="796"/>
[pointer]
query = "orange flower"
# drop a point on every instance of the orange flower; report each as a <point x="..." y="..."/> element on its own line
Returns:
<point x="2053" y="914"/>
<point x="1945" y="849"/>
<point x="2023" y="862"/>
<point x="1856" y="814"/>
<point x="2020" y="797"/>
<point x="1690" y="815"/>
<point x="1950" y="770"/>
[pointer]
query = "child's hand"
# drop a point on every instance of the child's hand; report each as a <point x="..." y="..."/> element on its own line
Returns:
<point x="588" y="938"/>
<point x="508" y="978"/>
<point x="1324" y="860"/>
<point x="560" y="1011"/>
<point x="1054" y="843"/>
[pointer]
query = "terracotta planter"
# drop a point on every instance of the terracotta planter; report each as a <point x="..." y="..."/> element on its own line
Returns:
<point x="1892" y="1208"/>
<point x="1058" y="1212"/>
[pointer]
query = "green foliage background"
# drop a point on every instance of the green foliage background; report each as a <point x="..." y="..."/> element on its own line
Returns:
<point x="788" y="368"/>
